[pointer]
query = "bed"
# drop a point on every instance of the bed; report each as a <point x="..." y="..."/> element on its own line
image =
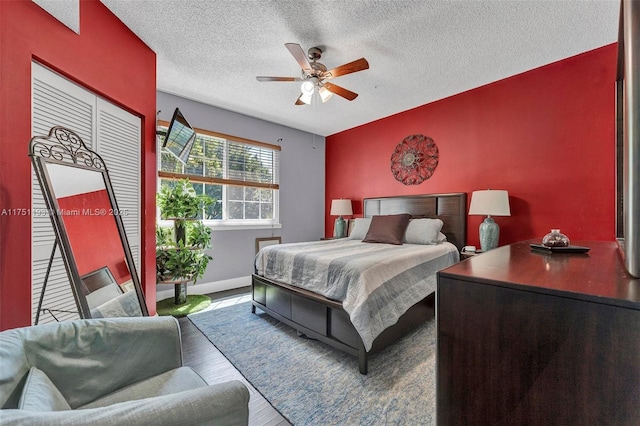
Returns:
<point x="342" y="308"/>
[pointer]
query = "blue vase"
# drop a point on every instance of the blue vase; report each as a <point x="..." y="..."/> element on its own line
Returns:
<point x="340" y="228"/>
<point x="489" y="234"/>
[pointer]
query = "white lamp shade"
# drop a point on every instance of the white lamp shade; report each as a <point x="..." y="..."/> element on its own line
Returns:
<point x="490" y="202"/>
<point x="306" y="98"/>
<point x="325" y="95"/>
<point x="307" y="87"/>
<point x="341" y="208"/>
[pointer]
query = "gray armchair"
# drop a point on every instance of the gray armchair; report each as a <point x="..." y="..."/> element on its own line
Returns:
<point x="116" y="371"/>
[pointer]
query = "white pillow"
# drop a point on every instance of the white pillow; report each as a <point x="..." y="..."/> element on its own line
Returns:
<point x="360" y="228"/>
<point x="423" y="231"/>
<point x="441" y="237"/>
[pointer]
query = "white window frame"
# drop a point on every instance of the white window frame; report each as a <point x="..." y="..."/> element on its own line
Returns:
<point x="225" y="223"/>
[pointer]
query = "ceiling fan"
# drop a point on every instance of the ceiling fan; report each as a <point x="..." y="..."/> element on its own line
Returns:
<point x="314" y="75"/>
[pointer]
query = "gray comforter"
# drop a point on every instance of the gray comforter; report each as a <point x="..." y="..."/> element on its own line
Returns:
<point x="376" y="283"/>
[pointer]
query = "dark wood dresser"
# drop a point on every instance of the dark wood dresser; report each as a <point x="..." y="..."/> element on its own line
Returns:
<point x="535" y="338"/>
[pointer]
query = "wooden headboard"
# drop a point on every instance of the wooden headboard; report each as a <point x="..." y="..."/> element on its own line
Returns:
<point x="451" y="208"/>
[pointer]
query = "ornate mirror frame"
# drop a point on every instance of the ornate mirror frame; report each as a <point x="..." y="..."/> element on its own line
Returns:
<point x="63" y="147"/>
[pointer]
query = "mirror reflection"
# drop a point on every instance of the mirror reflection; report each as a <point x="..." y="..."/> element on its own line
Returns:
<point x="88" y="227"/>
<point x="89" y="220"/>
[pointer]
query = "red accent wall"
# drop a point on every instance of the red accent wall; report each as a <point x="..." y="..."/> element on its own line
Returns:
<point x="106" y="58"/>
<point x="547" y="136"/>
<point x="83" y="215"/>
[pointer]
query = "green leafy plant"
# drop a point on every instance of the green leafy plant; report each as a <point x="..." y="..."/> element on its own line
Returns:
<point x="176" y="260"/>
<point x="199" y="235"/>
<point x="180" y="263"/>
<point x="164" y="236"/>
<point x="180" y="201"/>
<point x="180" y="251"/>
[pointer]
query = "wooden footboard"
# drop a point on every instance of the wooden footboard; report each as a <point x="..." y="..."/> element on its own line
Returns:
<point x="325" y="320"/>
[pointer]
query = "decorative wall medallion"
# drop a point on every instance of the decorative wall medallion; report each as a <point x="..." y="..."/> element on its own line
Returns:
<point x="414" y="159"/>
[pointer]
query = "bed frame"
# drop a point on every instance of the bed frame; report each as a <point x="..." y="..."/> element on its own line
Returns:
<point x="324" y="319"/>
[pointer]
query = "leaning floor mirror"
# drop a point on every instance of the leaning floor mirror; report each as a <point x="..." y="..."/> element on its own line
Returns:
<point x="88" y="226"/>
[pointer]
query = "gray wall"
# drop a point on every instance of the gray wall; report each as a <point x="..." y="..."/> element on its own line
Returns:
<point x="302" y="181"/>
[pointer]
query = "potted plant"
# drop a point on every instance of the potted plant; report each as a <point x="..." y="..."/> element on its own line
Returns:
<point x="180" y="251"/>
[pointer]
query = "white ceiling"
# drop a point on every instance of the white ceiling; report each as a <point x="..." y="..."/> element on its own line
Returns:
<point x="418" y="51"/>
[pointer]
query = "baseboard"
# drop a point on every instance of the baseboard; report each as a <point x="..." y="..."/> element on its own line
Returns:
<point x="164" y="291"/>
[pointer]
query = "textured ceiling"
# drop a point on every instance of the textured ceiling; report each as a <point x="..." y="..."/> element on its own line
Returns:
<point x="418" y="51"/>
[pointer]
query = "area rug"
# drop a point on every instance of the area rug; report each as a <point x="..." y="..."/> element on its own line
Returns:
<point x="311" y="383"/>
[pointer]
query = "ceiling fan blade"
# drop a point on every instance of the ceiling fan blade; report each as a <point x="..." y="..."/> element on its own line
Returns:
<point x="355" y="66"/>
<point x="299" y="100"/>
<point x="340" y="91"/>
<point x="263" y="78"/>
<point x="299" y="55"/>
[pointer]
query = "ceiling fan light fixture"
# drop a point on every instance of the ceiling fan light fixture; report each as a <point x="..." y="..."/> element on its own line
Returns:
<point x="307" y="88"/>
<point x="314" y="75"/>
<point x="306" y="98"/>
<point x="325" y="95"/>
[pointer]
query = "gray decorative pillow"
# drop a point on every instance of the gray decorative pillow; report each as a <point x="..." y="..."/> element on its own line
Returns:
<point x="360" y="228"/>
<point x="40" y="394"/>
<point x="423" y="231"/>
<point x="388" y="229"/>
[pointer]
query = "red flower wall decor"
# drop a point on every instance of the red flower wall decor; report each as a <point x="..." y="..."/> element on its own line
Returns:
<point x="414" y="159"/>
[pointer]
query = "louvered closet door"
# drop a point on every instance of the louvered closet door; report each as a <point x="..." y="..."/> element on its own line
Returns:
<point x="115" y="135"/>
<point x="55" y="101"/>
<point x="118" y="142"/>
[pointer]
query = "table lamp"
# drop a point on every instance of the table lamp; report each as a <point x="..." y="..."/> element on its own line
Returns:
<point x="491" y="203"/>
<point x="339" y="208"/>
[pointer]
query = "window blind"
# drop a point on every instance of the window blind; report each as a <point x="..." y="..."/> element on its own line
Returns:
<point x="242" y="162"/>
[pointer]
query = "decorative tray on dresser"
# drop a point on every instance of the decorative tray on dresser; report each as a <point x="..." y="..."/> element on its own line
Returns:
<point x="537" y="338"/>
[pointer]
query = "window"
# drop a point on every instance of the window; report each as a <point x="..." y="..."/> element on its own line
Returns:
<point x="240" y="175"/>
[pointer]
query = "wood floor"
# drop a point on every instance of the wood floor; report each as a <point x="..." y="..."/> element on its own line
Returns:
<point x="201" y="355"/>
